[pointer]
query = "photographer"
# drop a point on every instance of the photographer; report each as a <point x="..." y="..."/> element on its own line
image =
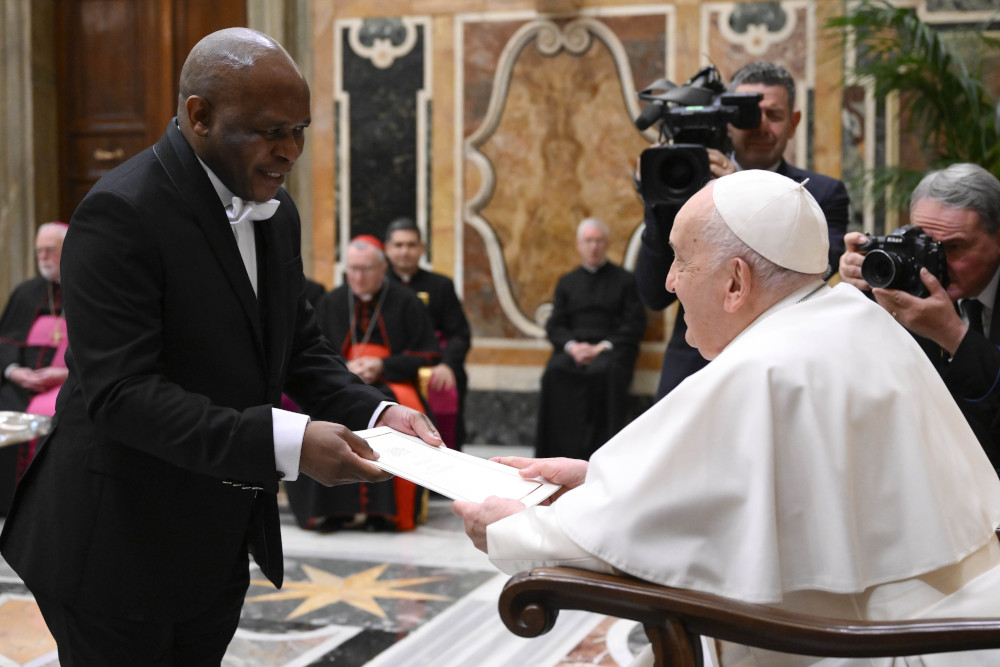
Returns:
<point x="960" y="208"/>
<point x="761" y="147"/>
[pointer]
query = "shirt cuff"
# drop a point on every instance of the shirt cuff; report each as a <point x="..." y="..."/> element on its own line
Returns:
<point x="533" y="538"/>
<point x="567" y="345"/>
<point x="289" y="429"/>
<point x="378" y="412"/>
<point x="10" y="369"/>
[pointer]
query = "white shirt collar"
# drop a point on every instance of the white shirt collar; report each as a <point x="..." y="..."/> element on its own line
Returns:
<point x="225" y="194"/>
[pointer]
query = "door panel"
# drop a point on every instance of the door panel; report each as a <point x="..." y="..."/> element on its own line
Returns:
<point x="118" y="66"/>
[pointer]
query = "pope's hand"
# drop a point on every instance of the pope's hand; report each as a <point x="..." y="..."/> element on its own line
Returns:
<point x="568" y="473"/>
<point x="477" y="516"/>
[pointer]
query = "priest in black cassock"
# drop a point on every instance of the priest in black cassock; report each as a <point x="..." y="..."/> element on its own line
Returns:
<point x="596" y="324"/>
<point x="32" y="347"/>
<point x="448" y="382"/>
<point x="386" y="336"/>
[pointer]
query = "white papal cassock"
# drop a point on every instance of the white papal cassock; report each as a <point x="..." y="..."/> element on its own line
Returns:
<point x="817" y="464"/>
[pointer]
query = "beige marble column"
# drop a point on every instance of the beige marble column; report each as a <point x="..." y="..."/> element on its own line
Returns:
<point x="288" y="22"/>
<point x="17" y="167"/>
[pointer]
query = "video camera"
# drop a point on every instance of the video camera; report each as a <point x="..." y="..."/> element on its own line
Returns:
<point x="894" y="261"/>
<point x="691" y="117"/>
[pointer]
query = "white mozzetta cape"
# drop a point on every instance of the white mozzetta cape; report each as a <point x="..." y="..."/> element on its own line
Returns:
<point x="819" y="451"/>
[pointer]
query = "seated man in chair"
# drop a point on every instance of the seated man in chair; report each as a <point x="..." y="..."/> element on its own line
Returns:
<point x="818" y="465"/>
<point x="447" y="383"/>
<point x="32" y="351"/>
<point x="385" y="334"/>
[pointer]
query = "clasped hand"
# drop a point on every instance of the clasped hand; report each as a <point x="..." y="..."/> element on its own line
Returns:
<point x="38" y="380"/>
<point x="369" y="369"/>
<point x="584" y="353"/>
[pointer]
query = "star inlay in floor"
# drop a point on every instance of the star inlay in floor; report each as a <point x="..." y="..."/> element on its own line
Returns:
<point x="359" y="590"/>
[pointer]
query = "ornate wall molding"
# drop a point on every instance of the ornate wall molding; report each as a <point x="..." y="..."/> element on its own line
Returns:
<point x="757" y="26"/>
<point x="550" y="38"/>
<point x="396" y="135"/>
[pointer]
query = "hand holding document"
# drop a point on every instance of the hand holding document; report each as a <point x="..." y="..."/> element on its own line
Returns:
<point x="451" y="473"/>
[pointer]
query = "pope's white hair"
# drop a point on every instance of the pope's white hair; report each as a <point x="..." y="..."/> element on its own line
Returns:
<point x="725" y="245"/>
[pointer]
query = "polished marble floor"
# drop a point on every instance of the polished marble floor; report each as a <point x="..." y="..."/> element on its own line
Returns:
<point x="353" y="598"/>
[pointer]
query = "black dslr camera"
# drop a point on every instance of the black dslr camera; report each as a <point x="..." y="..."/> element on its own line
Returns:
<point x="691" y="117"/>
<point x="894" y="261"/>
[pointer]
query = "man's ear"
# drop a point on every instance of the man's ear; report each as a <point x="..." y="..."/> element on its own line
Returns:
<point x="199" y="114"/>
<point x="794" y="121"/>
<point x="740" y="282"/>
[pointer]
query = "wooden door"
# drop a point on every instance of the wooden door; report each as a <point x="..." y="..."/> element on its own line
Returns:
<point x="118" y="66"/>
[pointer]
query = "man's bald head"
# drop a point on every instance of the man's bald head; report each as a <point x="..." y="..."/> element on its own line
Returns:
<point x="219" y="62"/>
<point x="244" y="109"/>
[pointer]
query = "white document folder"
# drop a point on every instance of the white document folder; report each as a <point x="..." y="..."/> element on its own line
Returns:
<point x="451" y="473"/>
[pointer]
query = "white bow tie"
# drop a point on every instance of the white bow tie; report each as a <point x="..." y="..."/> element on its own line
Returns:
<point x="241" y="210"/>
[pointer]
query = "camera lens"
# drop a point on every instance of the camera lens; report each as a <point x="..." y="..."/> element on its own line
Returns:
<point x="671" y="174"/>
<point x="678" y="174"/>
<point x="879" y="268"/>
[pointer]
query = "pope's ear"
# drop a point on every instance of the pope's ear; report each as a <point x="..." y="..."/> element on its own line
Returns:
<point x="738" y="285"/>
<point x="199" y="114"/>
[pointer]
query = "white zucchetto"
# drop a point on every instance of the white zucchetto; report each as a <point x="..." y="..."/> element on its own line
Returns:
<point x="776" y="217"/>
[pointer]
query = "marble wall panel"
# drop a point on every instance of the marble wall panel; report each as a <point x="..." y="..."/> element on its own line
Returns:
<point x="553" y="144"/>
<point x="382" y="112"/>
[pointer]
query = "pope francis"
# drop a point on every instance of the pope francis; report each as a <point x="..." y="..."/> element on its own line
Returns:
<point x="818" y="464"/>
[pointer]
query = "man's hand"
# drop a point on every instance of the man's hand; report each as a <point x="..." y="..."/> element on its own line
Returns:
<point x="932" y="317"/>
<point x="52" y="376"/>
<point x="369" y="369"/>
<point x="476" y="516"/>
<point x="850" y="261"/>
<point x="410" y="421"/>
<point x="568" y="473"/>
<point x="37" y="381"/>
<point x="719" y="164"/>
<point x="442" y="377"/>
<point x="584" y="353"/>
<point x="333" y="454"/>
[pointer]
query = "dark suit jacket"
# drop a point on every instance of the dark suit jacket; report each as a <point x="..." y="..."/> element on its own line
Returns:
<point x="129" y="508"/>
<point x="655" y="257"/>
<point x="973" y="378"/>
<point x="446" y="314"/>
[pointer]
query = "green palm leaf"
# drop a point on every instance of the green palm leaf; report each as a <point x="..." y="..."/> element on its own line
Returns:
<point x="939" y="78"/>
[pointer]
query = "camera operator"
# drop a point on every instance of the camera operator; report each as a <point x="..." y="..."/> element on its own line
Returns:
<point x="958" y="207"/>
<point x="761" y="147"/>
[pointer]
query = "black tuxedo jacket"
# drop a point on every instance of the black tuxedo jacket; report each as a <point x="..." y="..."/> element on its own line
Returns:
<point x="655" y="257"/>
<point x="160" y="471"/>
<point x="973" y="378"/>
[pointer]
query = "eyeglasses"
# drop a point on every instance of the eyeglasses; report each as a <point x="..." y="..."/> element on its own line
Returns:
<point x="363" y="269"/>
